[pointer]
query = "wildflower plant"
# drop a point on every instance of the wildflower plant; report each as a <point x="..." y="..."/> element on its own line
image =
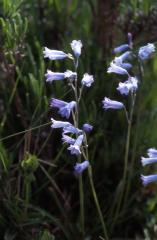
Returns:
<point x="25" y="149"/>
<point x="74" y="135"/>
<point x="122" y="65"/>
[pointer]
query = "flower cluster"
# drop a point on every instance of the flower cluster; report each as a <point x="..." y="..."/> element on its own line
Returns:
<point x="152" y="158"/>
<point x="74" y="137"/>
<point x="121" y="66"/>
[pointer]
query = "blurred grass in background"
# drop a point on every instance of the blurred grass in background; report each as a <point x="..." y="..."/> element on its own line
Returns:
<point x="38" y="195"/>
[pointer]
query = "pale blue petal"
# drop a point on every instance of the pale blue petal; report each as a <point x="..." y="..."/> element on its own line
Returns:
<point x="79" y="140"/>
<point x="125" y="55"/>
<point x="152" y="152"/>
<point x="130" y="85"/>
<point x="110" y="104"/>
<point x="87" y="127"/>
<point x="121" y="48"/>
<point x="80" y="167"/>
<point x="51" y="76"/>
<point x="145" y="52"/>
<point x="67" y="139"/>
<point x="87" y="80"/>
<point x="147" y="161"/>
<point x="71" y="129"/>
<point x="148" y="179"/>
<point x="57" y="103"/>
<point x="74" y="150"/>
<point x="76" y="46"/>
<point x="71" y="75"/>
<point x="126" y="65"/>
<point x="59" y="124"/>
<point x="54" y="54"/>
<point x="117" y="69"/>
<point x="66" y="110"/>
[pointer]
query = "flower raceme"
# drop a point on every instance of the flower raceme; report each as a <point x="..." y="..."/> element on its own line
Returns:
<point x="121" y="67"/>
<point x="71" y="135"/>
<point x="65" y="108"/>
<point x="110" y="104"/>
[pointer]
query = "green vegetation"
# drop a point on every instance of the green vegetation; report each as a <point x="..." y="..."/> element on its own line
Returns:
<point x="39" y="193"/>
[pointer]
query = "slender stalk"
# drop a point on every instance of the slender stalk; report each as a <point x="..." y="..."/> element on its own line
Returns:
<point x="90" y="175"/>
<point x="141" y="73"/>
<point x="76" y="123"/>
<point x="27" y="195"/>
<point x="127" y="150"/>
<point x="97" y="203"/>
<point x="81" y="204"/>
<point x="25" y="131"/>
<point x="128" y="141"/>
<point x="127" y="146"/>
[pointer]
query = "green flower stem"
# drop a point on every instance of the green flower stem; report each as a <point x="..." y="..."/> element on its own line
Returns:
<point x="128" y="140"/>
<point x="76" y="123"/>
<point x="127" y="146"/>
<point x="97" y="202"/>
<point x="141" y="73"/>
<point x="81" y="204"/>
<point x="90" y="175"/>
<point x="126" y="155"/>
<point x="27" y="195"/>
